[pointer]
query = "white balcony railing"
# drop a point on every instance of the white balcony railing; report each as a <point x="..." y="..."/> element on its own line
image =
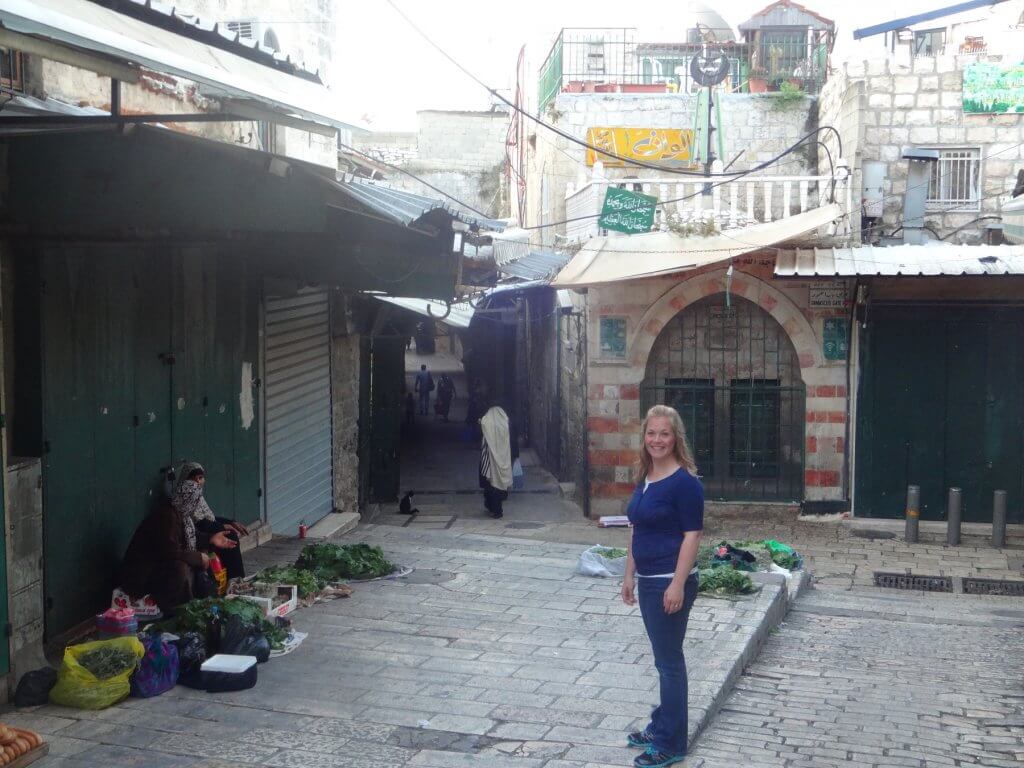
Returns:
<point x="749" y="200"/>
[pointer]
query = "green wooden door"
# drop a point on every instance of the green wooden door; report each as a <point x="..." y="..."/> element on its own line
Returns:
<point x="940" y="405"/>
<point x="387" y="373"/>
<point x="149" y="358"/>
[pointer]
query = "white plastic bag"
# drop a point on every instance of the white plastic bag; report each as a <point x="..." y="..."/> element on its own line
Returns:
<point x="592" y="563"/>
<point x="518" y="478"/>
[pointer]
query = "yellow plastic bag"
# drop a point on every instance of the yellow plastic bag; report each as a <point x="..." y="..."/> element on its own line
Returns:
<point x="78" y="687"/>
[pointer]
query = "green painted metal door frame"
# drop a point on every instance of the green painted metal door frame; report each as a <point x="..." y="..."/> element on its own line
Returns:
<point x="387" y="374"/>
<point x="940" y="405"/>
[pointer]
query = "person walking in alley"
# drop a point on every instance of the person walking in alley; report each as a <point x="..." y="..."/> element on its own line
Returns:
<point x="498" y="450"/>
<point x="667" y="514"/>
<point x="424" y="386"/>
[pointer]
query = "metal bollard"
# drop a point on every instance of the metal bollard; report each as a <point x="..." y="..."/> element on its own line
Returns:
<point x="913" y="512"/>
<point x="999" y="519"/>
<point x="953" y="517"/>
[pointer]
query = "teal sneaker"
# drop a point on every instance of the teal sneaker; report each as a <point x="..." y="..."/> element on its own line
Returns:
<point x="653" y="758"/>
<point x="642" y="739"/>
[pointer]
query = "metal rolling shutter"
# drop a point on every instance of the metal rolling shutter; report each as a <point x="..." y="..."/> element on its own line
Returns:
<point x="298" y="410"/>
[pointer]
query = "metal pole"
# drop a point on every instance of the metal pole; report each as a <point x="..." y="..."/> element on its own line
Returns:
<point x="953" y="517"/>
<point x="913" y="512"/>
<point x="999" y="519"/>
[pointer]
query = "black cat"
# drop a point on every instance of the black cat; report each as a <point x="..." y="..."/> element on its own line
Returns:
<point x="405" y="506"/>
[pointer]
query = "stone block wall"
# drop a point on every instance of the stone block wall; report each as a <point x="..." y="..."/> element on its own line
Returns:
<point x="920" y="105"/>
<point x="614" y="386"/>
<point x="345" y="372"/>
<point x="759" y="125"/>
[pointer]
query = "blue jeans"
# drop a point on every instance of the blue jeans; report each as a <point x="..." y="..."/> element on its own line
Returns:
<point x="669" y="720"/>
<point x="424" y="403"/>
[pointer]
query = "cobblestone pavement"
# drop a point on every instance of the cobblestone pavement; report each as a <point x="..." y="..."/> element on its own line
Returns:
<point x="491" y="653"/>
<point x="868" y="678"/>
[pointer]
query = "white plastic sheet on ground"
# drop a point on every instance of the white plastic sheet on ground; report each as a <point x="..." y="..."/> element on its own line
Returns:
<point x="592" y="563"/>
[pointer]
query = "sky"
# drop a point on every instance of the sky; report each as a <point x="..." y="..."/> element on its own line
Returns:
<point x="385" y="72"/>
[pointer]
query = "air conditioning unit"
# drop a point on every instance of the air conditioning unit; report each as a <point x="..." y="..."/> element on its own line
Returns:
<point x="255" y="30"/>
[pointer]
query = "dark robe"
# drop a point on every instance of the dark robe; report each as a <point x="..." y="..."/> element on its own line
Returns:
<point x="158" y="561"/>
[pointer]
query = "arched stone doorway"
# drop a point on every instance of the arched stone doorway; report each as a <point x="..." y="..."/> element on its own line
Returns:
<point x="733" y="374"/>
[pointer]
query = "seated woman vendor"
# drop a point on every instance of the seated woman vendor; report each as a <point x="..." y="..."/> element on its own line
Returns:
<point x="167" y="551"/>
<point x="207" y="522"/>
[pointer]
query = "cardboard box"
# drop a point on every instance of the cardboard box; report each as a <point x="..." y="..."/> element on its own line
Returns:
<point x="264" y="597"/>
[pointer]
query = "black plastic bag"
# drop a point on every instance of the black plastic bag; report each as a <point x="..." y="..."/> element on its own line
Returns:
<point x="243" y="639"/>
<point x="34" y="687"/>
<point x="191" y="655"/>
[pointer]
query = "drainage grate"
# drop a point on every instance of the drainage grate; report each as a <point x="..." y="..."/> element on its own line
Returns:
<point x="910" y="581"/>
<point x="993" y="587"/>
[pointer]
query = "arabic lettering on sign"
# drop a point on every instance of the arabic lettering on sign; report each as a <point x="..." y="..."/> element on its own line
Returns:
<point x="626" y="211"/>
<point x="663" y="145"/>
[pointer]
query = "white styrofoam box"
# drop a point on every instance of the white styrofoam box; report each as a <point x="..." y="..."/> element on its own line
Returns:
<point x="227" y="662"/>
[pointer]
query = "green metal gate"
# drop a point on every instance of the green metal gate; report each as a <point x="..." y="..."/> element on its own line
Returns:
<point x="940" y="405"/>
<point x="149" y="358"/>
<point x="734" y="376"/>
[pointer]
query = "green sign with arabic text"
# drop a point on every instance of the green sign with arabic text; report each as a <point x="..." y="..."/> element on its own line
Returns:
<point x="626" y="211"/>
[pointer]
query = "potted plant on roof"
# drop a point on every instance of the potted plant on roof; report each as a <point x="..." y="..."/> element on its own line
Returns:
<point x="757" y="79"/>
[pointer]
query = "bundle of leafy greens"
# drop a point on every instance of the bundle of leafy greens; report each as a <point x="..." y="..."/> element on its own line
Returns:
<point x="611" y="553"/>
<point x="105" y="662"/>
<point x="725" y="581"/>
<point x="788" y="560"/>
<point x="333" y="562"/>
<point x="195" y="616"/>
<point x="306" y="581"/>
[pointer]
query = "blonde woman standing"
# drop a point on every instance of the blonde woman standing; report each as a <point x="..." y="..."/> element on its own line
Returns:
<point x="667" y="514"/>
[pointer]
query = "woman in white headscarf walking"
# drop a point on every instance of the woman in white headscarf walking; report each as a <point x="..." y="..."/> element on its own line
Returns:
<point x="498" y="450"/>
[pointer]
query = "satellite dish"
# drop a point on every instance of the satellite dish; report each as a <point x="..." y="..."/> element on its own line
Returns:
<point x="710" y="68"/>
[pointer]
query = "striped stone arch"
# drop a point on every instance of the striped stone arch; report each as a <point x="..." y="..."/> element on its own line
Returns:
<point x="772" y="301"/>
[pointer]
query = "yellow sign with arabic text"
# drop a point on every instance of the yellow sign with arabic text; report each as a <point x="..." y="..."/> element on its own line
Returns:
<point x="654" y="145"/>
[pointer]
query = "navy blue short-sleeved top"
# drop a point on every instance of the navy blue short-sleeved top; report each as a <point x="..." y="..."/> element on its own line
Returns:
<point x="660" y="515"/>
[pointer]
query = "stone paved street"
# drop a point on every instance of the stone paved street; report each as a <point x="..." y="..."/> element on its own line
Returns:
<point x="491" y="653"/>
<point x="872" y="678"/>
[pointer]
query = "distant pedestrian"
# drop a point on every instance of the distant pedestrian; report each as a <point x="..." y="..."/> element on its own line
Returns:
<point x="498" y="450"/>
<point x="667" y="514"/>
<point x="424" y="386"/>
<point x="445" y="393"/>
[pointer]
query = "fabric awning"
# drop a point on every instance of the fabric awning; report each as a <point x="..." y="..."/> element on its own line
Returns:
<point x="632" y="257"/>
<point x="88" y="26"/>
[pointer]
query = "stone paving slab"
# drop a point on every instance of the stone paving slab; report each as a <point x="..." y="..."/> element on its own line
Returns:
<point x="509" y="660"/>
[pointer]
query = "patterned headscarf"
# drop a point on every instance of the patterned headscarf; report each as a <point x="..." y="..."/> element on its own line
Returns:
<point x="195" y="505"/>
<point x="187" y="495"/>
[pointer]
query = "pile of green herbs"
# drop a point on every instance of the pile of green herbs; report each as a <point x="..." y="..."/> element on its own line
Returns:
<point x="723" y="582"/>
<point x="106" y="662"/>
<point x="610" y="553"/>
<point x="196" y="615"/>
<point x="335" y="562"/>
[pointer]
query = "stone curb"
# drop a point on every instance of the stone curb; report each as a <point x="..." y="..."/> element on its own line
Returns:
<point x="781" y="602"/>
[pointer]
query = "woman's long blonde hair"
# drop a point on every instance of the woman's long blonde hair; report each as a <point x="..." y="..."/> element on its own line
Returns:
<point x="681" y="449"/>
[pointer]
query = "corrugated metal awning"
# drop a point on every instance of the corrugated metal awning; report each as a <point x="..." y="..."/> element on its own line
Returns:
<point x="633" y="257"/>
<point x="88" y="26"/>
<point x="902" y="261"/>
<point x="535" y="265"/>
<point x="460" y="316"/>
<point x="406" y="207"/>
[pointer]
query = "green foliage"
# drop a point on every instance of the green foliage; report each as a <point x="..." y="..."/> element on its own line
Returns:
<point x="788" y="96"/>
<point x="704" y="554"/>
<point x="106" y="661"/>
<point x="332" y="562"/>
<point x="195" y="615"/>
<point x="611" y="553"/>
<point x="788" y="560"/>
<point x="725" y="581"/>
<point x="306" y="581"/>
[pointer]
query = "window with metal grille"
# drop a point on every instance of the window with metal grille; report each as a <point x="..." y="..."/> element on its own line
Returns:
<point x="694" y="399"/>
<point x="754" y="428"/>
<point x="956" y="179"/>
<point x="12" y="76"/>
<point x="246" y="29"/>
<point x="929" y="42"/>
